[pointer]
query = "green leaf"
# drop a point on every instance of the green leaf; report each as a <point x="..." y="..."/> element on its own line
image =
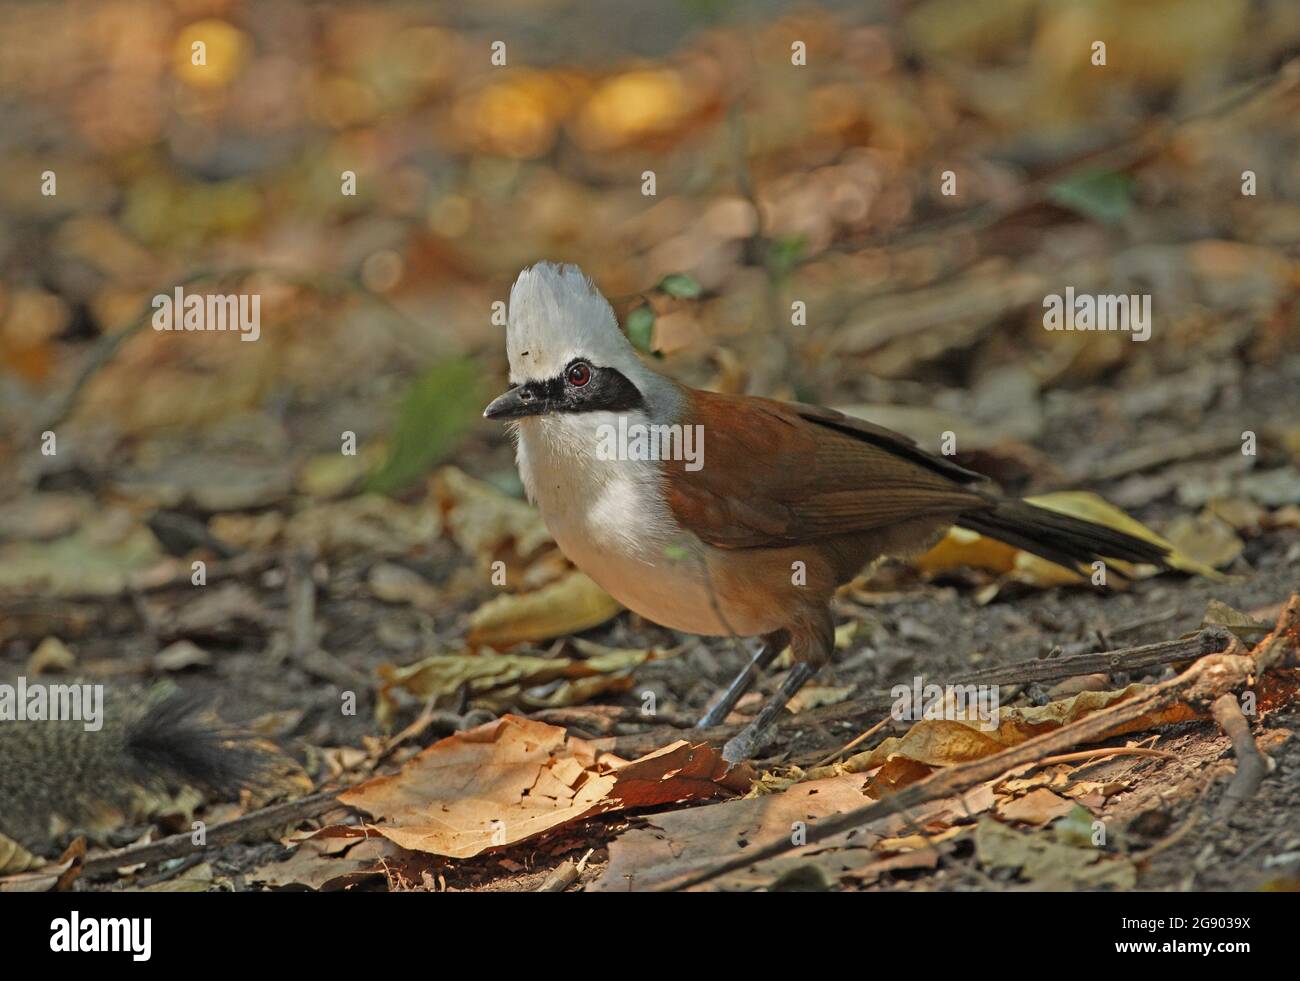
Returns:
<point x="784" y="254"/>
<point x="1104" y="196"/>
<point x="680" y="285"/>
<point x="641" y="328"/>
<point x="436" y="411"/>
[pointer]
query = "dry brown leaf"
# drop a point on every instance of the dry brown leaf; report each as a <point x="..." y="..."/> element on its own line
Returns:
<point x="1086" y="789"/>
<point x="564" y="693"/>
<point x="515" y="778"/>
<point x="567" y="606"/>
<point x="1036" y="807"/>
<point x="896" y="773"/>
<point x="315" y="864"/>
<point x="502" y="679"/>
<point x="51" y="656"/>
<point x="946" y="742"/>
<point x="682" y="840"/>
<point x="483" y="521"/>
<point x="99" y="558"/>
<point x="815" y="696"/>
<point x="197" y="878"/>
<point x="1205" y="538"/>
<point x="678" y="842"/>
<point x="921" y="858"/>
<point x="1038" y="858"/>
<point x="393" y="583"/>
<point x="365" y="524"/>
<point x="1249" y="628"/>
<point x="57" y="876"/>
<point x="916" y="841"/>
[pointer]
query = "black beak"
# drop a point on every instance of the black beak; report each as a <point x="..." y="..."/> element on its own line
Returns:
<point x="514" y="403"/>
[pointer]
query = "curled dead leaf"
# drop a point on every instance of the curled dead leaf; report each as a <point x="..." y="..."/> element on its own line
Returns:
<point x="483" y="521"/>
<point x="947" y="742"/>
<point x="571" y="604"/>
<point x="499" y="680"/>
<point x="15" y="858"/>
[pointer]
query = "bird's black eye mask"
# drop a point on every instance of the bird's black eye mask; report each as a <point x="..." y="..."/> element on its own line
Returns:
<point x="581" y="387"/>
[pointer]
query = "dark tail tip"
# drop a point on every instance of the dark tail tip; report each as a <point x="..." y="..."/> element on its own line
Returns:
<point x="1060" y="538"/>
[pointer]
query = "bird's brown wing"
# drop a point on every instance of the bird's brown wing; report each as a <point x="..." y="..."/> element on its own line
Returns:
<point x="777" y="473"/>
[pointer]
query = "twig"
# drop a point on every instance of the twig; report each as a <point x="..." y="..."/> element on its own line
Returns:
<point x="304" y="649"/>
<point x="229" y="832"/>
<point x="857" y="740"/>
<point x="1205" y="680"/>
<point x="1252" y="766"/>
<point x="603" y="718"/>
<point x="561" y="877"/>
<point x="1208" y="640"/>
<point x="1104" y="752"/>
<point x="1197" y="687"/>
<point x="1156" y="455"/>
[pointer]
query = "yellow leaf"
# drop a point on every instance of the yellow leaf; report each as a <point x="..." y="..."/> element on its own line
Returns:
<point x="15" y="858"/>
<point x="208" y="53"/>
<point x="1090" y="507"/>
<point x="502" y="679"/>
<point x="630" y="106"/>
<point x="961" y="547"/>
<point x="567" y="606"/>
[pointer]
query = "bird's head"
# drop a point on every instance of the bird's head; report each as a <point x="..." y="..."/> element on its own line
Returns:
<point x="566" y="351"/>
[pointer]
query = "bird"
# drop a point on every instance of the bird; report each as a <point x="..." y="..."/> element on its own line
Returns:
<point x="732" y="515"/>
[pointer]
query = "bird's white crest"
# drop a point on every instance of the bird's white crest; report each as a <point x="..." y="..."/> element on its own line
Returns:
<point x="557" y="314"/>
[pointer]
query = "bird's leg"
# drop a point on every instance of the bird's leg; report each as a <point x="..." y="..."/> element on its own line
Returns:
<point x="744" y="744"/>
<point x="769" y="648"/>
<point x="812" y="639"/>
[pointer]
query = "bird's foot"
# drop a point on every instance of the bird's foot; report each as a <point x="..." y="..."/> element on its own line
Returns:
<point x="745" y="744"/>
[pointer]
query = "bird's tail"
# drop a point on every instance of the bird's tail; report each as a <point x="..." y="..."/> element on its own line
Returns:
<point x="1060" y="538"/>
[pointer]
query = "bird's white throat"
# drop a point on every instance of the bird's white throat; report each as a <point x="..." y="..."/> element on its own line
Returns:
<point x="589" y="502"/>
<point x="612" y="519"/>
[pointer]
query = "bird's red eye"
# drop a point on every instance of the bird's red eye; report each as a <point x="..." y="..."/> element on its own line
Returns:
<point x="579" y="374"/>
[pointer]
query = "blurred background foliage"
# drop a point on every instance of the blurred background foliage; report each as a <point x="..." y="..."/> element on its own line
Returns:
<point x="775" y="183"/>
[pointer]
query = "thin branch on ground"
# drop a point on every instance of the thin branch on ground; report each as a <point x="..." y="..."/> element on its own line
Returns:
<point x="1209" y="640"/>
<point x="1208" y="678"/>
<point x="1252" y="765"/>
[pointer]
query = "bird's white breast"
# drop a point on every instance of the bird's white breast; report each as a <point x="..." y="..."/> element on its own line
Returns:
<point x="610" y="518"/>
